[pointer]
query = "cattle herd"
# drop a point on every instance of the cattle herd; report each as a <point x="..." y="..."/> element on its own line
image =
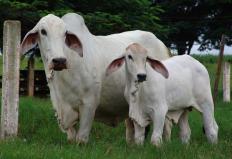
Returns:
<point x="126" y="76"/>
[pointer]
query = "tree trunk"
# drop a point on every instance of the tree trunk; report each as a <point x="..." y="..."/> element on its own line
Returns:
<point x="190" y="45"/>
<point x="181" y="49"/>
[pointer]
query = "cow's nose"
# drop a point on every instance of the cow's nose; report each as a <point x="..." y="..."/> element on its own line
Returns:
<point x="59" y="64"/>
<point x="141" y="77"/>
<point x="59" y="61"/>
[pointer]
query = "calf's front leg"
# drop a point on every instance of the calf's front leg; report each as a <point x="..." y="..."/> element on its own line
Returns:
<point x="158" y="125"/>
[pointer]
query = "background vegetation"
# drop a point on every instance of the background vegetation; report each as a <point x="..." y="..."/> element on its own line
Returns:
<point x="178" y="23"/>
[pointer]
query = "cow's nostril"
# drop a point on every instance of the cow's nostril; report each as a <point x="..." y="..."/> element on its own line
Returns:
<point x="141" y="77"/>
<point x="59" y="60"/>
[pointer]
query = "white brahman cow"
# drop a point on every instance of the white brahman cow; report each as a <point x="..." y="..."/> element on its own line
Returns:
<point x="176" y="84"/>
<point x="75" y="62"/>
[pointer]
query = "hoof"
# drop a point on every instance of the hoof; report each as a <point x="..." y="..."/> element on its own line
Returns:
<point x="81" y="140"/>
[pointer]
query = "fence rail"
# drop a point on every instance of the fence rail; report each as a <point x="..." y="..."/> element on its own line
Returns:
<point x="40" y="83"/>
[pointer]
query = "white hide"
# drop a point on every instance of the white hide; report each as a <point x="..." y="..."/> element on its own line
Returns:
<point x="188" y="85"/>
<point x="180" y="83"/>
<point x="77" y="91"/>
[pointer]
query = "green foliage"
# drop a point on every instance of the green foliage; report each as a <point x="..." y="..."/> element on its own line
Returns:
<point x="102" y="16"/>
<point x="202" y="21"/>
<point x="29" y="12"/>
<point x="218" y="23"/>
<point x="178" y="23"/>
<point x="122" y="15"/>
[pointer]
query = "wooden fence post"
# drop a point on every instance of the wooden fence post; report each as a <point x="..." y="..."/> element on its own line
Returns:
<point x="226" y="82"/>
<point x="10" y="81"/>
<point x="30" y="78"/>
<point x="219" y="66"/>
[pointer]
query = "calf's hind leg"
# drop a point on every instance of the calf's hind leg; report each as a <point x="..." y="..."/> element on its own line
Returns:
<point x="210" y="125"/>
<point x="167" y="129"/>
<point x="185" y="131"/>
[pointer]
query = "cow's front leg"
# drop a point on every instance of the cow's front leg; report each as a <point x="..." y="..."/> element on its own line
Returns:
<point x="71" y="134"/>
<point x="87" y="112"/>
<point x="129" y="131"/>
<point x="158" y="125"/>
<point x="67" y="119"/>
<point x="139" y="133"/>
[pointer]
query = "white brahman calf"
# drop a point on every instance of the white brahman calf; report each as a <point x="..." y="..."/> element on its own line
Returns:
<point x="176" y="84"/>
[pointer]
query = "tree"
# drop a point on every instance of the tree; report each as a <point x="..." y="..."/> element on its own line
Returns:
<point x="201" y="21"/>
<point x="218" y="22"/>
<point x="102" y="16"/>
<point x="184" y="19"/>
<point x="29" y="12"/>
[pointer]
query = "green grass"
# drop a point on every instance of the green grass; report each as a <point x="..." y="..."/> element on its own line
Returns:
<point x="40" y="137"/>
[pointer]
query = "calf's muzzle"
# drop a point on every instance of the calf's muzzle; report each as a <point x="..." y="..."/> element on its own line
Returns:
<point x="141" y="77"/>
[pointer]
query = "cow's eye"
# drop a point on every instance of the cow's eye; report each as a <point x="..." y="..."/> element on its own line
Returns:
<point x="43" y="32"/>
<point x="130" y="57"/>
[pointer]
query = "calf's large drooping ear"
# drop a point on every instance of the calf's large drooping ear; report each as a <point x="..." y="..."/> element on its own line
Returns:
<point x="115" y="65"/>
<point x="158" y="66"/>
<point x="74" y="43"/>
<point x="29" y="41"/>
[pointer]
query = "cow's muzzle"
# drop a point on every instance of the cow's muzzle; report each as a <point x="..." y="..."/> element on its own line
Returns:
<point x="59" y="64"/>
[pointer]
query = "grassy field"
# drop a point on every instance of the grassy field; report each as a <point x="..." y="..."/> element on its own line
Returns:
<point x="40" y="137"/>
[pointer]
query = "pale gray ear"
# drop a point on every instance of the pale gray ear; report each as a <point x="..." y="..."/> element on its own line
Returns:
<point x="30" y="40"/>
<point x="158" y="66"/>
<point x="115" y="65"/>
<point x="74" y="43"/>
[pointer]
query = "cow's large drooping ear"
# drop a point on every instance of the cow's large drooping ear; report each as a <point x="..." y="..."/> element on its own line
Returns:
<point x="29" y="41"/>
<point x="74" y="43"/>
<point x="115" y="65"/>
<point x="158" y="66"/>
